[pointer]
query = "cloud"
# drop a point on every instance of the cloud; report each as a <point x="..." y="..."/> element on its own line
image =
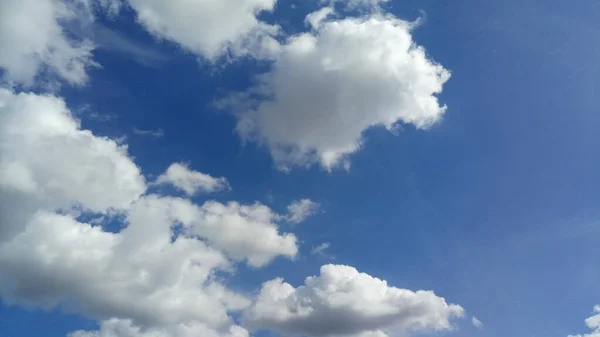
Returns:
<point x="111" y="40"/>
<point x="315" y="19"/>
<point x="328" y="86"/>
<point x="158" y="133"/>
<point x="207" y="28"/>
<point x="33" y="39"/>
<point x="592" y="322"/>
<point x="124" y="328"/>
<point x="47" y="161"/>
<point x="150" y="269"/>
<point x="320" y="249"/>
<point x="344" y="302"/>
<point x="476" y="322"/>
<point x="244" y="232"/>
<point x="190" y="181"/>
<point x="149" y="272"/>
<point x="358" y="4"/>
<point x="300" y="210"/>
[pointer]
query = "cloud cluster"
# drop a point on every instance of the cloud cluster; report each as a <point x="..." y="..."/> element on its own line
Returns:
<point x="327" y="86"/>
<point x="154" y="274"/>
<point x="344" y="302"/>
<point x="155" y="271"/>
<point x="592" y="322"/>
<point x="35" y="38"/>
<point x="80" y="231"/>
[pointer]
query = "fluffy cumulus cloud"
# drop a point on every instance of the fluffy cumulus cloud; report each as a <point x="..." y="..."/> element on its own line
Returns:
<point x="592" y="322"/>
<point x="344" y="302"/>
<point x="189" y="181"/>
<point x="206" y="27"/>
<point x="33" y="39"/>
<point x="151" y="274"/>
<point x="300" y="210"/>
<point x="243" y="232"/>
<point x="327" y="86"/>
<point x="48" y="162"/>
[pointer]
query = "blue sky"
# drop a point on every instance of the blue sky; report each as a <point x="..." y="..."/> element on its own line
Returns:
<point x="493" y="207"/>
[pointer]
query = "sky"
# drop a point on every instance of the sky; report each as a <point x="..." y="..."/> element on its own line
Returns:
<point x="318" y="168"/>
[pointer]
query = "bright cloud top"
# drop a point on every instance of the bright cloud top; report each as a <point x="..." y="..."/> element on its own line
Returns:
<point x="328" y="86"/>
<point x="593" y="323"/>
<point x="32" y="38"/>
<point x="190" y="181"/>
<point x="206" y="27"/>
<point x="342" y="301"/>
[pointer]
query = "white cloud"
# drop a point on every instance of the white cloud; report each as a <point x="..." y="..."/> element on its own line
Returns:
<point x="48" y="162"/>
<point x="476" y="322"/>
<point x="32" y="39"/>
<point x="328" y="86"/>
<point x="190" y="181"/>
<point x="300" y="210"/>
<point x="153" y="276"/>
<point x="592" y="322"/>
<point x="124" y="328"/>
<point x="315" y="19"/>
<point x="320" y="249"/>
<point x="58" y="260"/>
<point x="245" y="232"/>
<point x="206" y="27"/>
<point x="151" y="273"/>
<point x="343" y="302"/>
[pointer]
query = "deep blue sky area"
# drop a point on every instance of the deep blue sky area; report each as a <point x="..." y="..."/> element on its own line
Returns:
<point x="495" y="207"/>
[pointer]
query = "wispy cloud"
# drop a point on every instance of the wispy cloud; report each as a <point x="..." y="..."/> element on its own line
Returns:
<point x="113" y="41"/>
<point x="158" y="133"/>
<point x="106" y="38"/>
<point x="320" y="249"/>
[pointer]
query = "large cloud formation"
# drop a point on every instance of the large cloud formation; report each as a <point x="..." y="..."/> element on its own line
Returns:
<point x="155" y="271"/>
<point x="327" y="86"/>
<point x="344" y="302"/>
<point x="146" y="265"/>
<point x="80" y="231"/>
